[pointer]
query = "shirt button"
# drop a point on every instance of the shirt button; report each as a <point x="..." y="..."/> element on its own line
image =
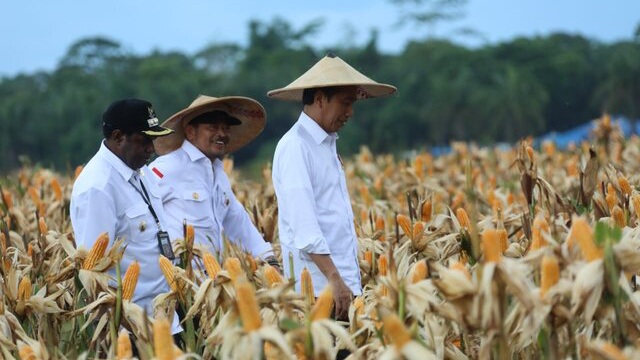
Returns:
<point x="195" y="196"/>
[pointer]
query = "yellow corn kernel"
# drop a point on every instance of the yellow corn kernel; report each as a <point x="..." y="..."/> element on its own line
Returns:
<point x="24" y="288"/>
<point x="380" y="227"/>
<point x="368" y="257"/>
<point x="26" y="352"/>
<point x="162" y="339"/>
<point x="405" y="224"/>
<point x="33" y="193"/>
<point x="581" y="233"/>
<point x="190" y="236"/>
<point x="7" y="199"/>
<point x="426" y="210"/>
<point x="540" y="227"/>
<point x="395" y="329"/>
<point x="247" y="306"/>
<point x="211" y="264"/>
<point x="130" y="280"/>
<point x="306" y="286"/>
<point x="419" y="271"/>
<point x="234" y="268"/>
<point x="57" y="190"/>
<point x="383" y="265"/>
<point x="42" y="226"/>
<point x="504" y="239"/>
<point x="272" y="276"/>
<point x="30" y="250"/>
<point x="549" y="273"/>
<point x="253" y="266"/>
<point x="322" y="308"/>
<point x="418" y="230"/>
<point x="167" y="270"/>
<point x="463" y="218"/>
<point x="458" y="266"/>
<point x="618" y="216"/>
<point x="97" y="251"/>
<point x="624" y="185"/>
<point x="611" y="198"/>
<point x="491" y="247"/>
<point x="124" y="351"/>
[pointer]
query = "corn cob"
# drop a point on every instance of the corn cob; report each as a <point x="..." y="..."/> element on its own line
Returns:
<point x="458" y="266"/>
<point x="624" y="185"/>
<point x="383" y="265"/>
<point x="463" y="218"/>
<point x="77" y="171"/>
<point x="581" y="233"/>
<point x="162" y="339"/>
<point x="253" y="266"/>
<point x="190" y="236"/>
<point x="124" y="351"/>
<point x="211" y="264"/>
<point x="130" y="280"/>
<point x="272" y="276"/>
<point x="618" y="216"/>
<point x="167" y="271"/>
<point x="234" y="268"/>
<point x="97" y="251"/>
<point x="306" y="286"/>
<point x="613" y="352"/>
<point x="491" y="247"/>
<point x="380" y="227"/>
<point x="426" y="210"/>
<point x="35" y="197"/>
<point x="405" y="224"/>
<point x="396" y="330"/>
<point x="322" y="308"/>
<point x="368" y="257"/>
<point x="24" y="288"/>
<point x="247" y="306"/>
<point x="419" y="271"/>
<point x="530" y="153"/>
<point x="30" y="250"/>
<point x="635" y="200"/>
<point x="611" y="198"/>
<point x="540" y="227"/>
<point x="26" y="352"/>
<point x="7" y="199"/>
<point x="418" y="230"/>
<point x="549" y="273"/>
<point x="57" y="190"/>
<point x="503" y="239"/>
<point x="42" y="226"/>
<point x="418" y="167"/>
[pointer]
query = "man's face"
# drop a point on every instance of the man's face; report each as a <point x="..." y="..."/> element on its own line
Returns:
<point x="136" y="149"/>
<point x="210" y="138"/>
<point x="335" y="112"/>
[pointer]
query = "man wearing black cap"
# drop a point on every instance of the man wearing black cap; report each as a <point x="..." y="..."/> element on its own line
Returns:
<point x="114" y="194"/>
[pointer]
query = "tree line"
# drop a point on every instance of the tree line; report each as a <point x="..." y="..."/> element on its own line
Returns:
<point x="446" y="91"/>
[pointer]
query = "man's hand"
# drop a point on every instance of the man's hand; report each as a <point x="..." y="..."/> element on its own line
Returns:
<point x="273" y="261"/>
<point x="342" y="297"/>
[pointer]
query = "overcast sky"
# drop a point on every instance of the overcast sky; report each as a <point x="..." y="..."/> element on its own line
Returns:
<point x="35" y="35"/>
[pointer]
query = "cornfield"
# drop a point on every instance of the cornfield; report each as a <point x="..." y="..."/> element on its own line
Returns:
<point x="509" y="253"/>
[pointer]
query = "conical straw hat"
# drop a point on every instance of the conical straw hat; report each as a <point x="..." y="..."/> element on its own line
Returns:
<point x="332" y="71"/>
<point x="250" y="113"/>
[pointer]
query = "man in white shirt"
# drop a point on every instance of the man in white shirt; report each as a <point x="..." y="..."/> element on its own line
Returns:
<point x="115" y="194"/>
<point x="315" y="215"/>
<point x="192" y="175"/>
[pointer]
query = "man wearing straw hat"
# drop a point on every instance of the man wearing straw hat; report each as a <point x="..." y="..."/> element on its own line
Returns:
<point x="315" y="216"/>
<point x="191" y="170"/>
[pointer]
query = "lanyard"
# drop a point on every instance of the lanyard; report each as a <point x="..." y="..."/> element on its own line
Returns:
<point x="147" y="200"/>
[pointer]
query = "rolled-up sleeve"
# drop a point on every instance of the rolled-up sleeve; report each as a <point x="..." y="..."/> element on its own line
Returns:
<point x="296" y="200"/>
<point x="238" y="227"/>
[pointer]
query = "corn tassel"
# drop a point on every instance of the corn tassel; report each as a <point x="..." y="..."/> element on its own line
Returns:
<point x="624" y="185"/>
<point x="463" y="218"/>
<point x="397" y="332"/>
<point x="405" y="224"/>
<point x="124" y="351"/>
<point x="491" y="247"/>
<point x="549" y="274"/>
<point x="211" y="265"/>
<point x="234" y="268"/>
<point x="162" y="339"/>
<point x="167" y="271"/>
<point x="322" y="308"/>
<point x="419" y="271"/>
<point x="247" y="306"/>
<point x="272" y="276"/>
<point x="306" y="286"/>
<point x="618" y="216"/>
<point x="97" y="251"/>
<point x="130" y="280"/>
<point x="581" y="233"/>
<point x="57" y="190"/>
<point x="24" y="288"/>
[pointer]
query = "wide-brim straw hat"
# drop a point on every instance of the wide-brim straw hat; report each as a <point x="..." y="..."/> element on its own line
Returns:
<point x="250" y="113"/>
<point x="332" y="71"/>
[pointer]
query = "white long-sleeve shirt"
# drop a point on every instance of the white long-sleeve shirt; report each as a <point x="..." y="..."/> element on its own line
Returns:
<point x="200" y="192"/>
<point x="314" y="209"/>
<point x="104" y="199"/>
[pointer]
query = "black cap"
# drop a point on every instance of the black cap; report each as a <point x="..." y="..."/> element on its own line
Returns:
<point x="133" y="115"/>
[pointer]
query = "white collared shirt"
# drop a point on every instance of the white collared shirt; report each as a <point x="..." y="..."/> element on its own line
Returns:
<point x="200" y="192"/>
<point x="314" y="209"/>
<point x="104" y="199"/>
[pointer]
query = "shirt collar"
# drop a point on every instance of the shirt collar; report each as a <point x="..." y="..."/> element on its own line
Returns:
<point x="192" y="151"/>
<point x="123" y="169"/>
<point x="311" y="126"/>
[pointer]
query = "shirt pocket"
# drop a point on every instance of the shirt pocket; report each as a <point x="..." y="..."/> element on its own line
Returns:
<point x="197" y="207"/>
<point x="142" y="225"/>
<point x="221" y="204"/>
